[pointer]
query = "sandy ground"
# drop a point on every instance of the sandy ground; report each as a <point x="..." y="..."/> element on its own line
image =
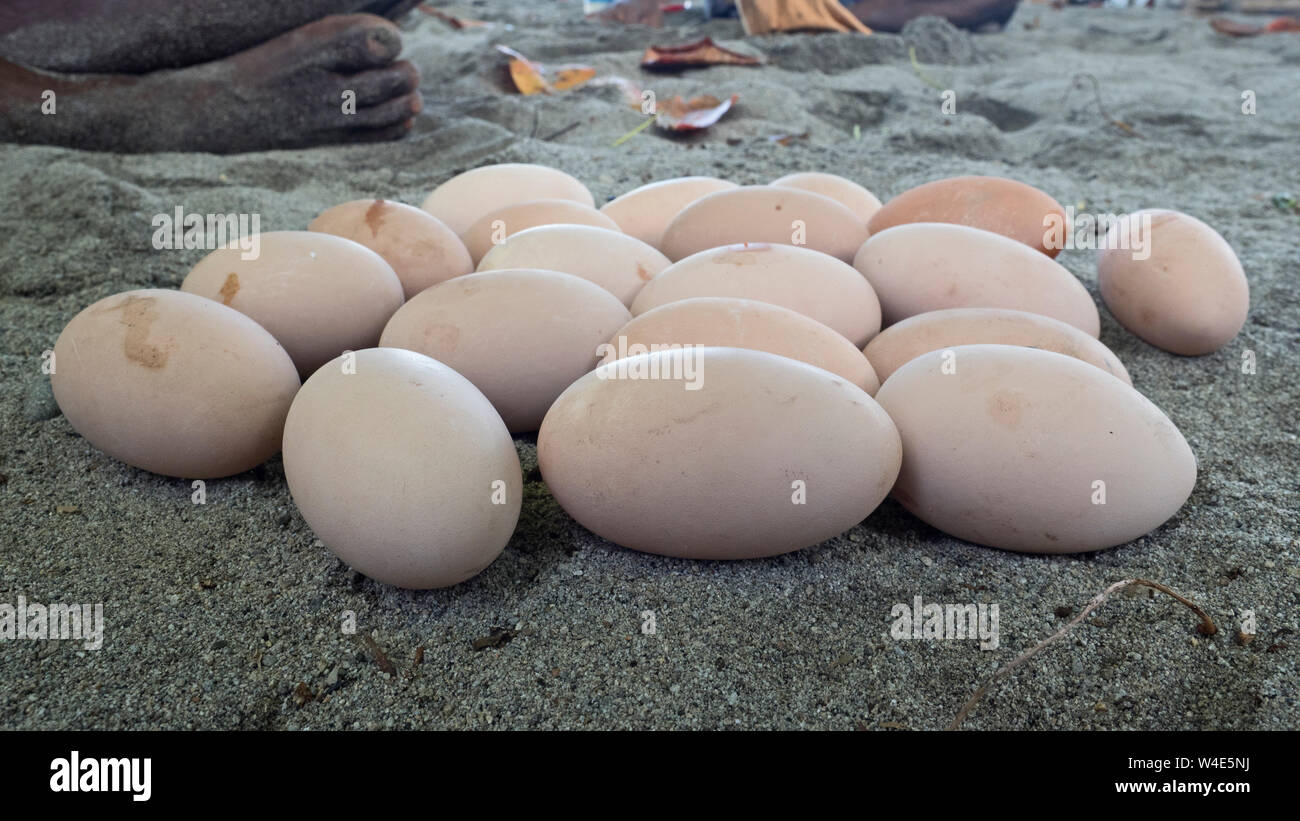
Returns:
<point x="229" y="615"/>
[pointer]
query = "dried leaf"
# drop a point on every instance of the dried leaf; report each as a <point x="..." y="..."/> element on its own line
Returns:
<point x="1232" y="28"/>
<point x="786" y="139"/>
<point x="678" y="114"/>
<point x="532" y="77"/>
<point x="703" y="52"/>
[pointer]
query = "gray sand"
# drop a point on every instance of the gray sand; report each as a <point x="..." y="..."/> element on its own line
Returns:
<point x="216" y="614"/>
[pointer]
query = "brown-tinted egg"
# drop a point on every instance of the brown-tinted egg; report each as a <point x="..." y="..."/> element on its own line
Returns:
<point x="846" y="192"/>
<point x="1032" y="450"/>
<point x="935" y="330"/>
<point x="318" y="294"/>
<point x="1007" y="207"/>
<point x="645" y="212"/>
<point x="521" y="336"/>
<point x="765" y="214"/>
<point x="1183" y="290"/>
<point x="743" y="323"/>
<point x="616" y="262"/>
<point x="420" y="248"/>
<point x="811" y="283"/>
<point x="929" y="266"/>
<point x="173" y="383"/>
<point x="401" y="467"/>
<point x="716" y="453"/>
<point x="496" y="226"/>
<point x="461" y="200"/>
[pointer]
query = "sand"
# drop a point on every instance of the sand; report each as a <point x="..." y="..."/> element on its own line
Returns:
<point x="231" y="614"/>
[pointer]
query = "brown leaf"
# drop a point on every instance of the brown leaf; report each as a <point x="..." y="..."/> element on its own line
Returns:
<point x="702" y="52"/>
<point x="532" y="77"/>
<point x="678" y="114"/>
<point x="1232" y="28"/>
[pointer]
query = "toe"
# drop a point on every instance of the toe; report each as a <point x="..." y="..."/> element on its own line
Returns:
<point x="379" y="135"/>
<point x="380" y="84"/>
<point x="361" y="41"/>
<point x="390" y="112"/>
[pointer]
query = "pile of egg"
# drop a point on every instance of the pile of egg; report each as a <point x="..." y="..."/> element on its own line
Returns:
<point x="703" y="363"/>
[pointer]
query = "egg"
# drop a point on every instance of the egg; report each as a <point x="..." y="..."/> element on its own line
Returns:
<point x="929" y="266"/>
<point x="803" y="280"/>
<point x="743" y="323"/>
<point x="521" y="336"/>
<point x="1173" y="281"/>
<point x="462" y="200"/>
<point x="421" y="249"/>
<point x="848" y="193"/>
<point x="764" y="214"/>
<point x="494" y="227"/>
<point x="645" y="212"/>
<point x="1007" y="207"/>
<point x="173" y="383"/>
<point x="1032" y="450"/>
<point x="716" y="453"/>
<point x="936" y="330"/>
<point x="401" y="467"/>
<point x="616" y="262"/>
<point x="318" y="294"/>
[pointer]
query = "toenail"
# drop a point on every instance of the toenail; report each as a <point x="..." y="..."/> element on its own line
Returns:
<point x="375" y="43"/>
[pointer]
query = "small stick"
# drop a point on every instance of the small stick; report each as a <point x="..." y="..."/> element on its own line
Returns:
<point x="377" y="654"/>
<point x="561" y="132"/>
<point x="916" y="66"/>
<point x="1096" y="90"/>
<point x="1206" y="628"/>
<point x="629" y="135"/>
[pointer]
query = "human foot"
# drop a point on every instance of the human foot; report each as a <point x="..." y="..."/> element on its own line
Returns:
<point x="138" y="36"/>
<point x="289" y="92"/>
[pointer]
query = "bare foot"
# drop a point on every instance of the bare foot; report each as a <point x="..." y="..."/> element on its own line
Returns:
<point x="288" y="92"/>
<point x="137" y="36"/>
